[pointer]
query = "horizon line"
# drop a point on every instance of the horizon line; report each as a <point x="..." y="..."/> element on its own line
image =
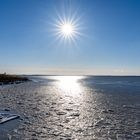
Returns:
<point x="73" y="75"/>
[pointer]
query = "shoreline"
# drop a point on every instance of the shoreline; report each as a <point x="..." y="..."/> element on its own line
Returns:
<point x="6" y="79"/>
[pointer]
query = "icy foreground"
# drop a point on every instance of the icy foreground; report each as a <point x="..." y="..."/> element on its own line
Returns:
<point x="64" y="108"/>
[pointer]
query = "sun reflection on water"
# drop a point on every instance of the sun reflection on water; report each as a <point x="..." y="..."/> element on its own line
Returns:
<point x="69" y="84"/>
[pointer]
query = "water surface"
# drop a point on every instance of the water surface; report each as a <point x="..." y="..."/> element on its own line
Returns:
<point x="76" y="107"/>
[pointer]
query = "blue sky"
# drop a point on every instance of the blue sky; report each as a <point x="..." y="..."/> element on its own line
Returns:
<point x="109" y="40"/>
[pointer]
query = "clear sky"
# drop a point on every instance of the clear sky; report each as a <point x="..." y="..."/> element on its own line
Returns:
<point x="108" y="39"/>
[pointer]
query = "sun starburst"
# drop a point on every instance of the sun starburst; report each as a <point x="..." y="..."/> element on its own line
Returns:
<point x="67" y="28"/>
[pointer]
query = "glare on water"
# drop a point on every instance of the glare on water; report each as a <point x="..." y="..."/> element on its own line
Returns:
<point x="69" y="84"/>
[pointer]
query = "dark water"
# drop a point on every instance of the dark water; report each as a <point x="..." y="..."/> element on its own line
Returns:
<point x="77" y="107"/>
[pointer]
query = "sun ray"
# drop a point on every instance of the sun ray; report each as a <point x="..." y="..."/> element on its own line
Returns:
<point x="67" y="27"/>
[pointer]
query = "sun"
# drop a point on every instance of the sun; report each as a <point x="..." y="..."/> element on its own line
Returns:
<point x="67" y="29"/>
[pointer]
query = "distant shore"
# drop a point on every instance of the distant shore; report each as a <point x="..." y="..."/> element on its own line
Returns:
<point x="12" y="79"/>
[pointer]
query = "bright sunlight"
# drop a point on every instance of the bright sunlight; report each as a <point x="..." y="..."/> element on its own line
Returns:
<point x="69" y="84"/>
<point x="67" y="29"/>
